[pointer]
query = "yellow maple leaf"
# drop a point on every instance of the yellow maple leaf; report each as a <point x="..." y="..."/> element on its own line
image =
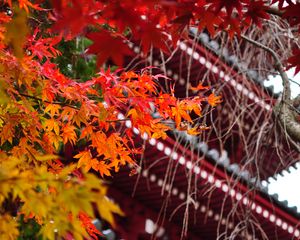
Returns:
<point x="53" y="109"/>
<point x="52" y="124"/>
<point x="16" y="31"/>
<point x="55" y="139"/>
<point x="46" y="157"/>
<point x="3" y="95"/>
<point x="8" y="227"/>
<point x="107" y="208"/>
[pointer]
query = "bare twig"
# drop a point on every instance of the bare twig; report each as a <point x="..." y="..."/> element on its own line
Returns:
<point x="286" y="115"/>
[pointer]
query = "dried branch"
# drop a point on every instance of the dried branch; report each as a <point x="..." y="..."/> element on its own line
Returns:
<point x="274" y="11"/>
<point x="286" y="115"/>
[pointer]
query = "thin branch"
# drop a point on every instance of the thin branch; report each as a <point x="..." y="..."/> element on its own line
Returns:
<point x="278" y="66"/>
<point x="45" y="101"/>
<point x="274" y="11"/>
<point x="286" y="115"/>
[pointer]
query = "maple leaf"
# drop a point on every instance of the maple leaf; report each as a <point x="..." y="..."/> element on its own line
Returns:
<point x="80" y="116"/>
<point x="8" y="227"/>
<point x="43" y="47"/>
<point x="256" y="11"/>
<point x="107" y="208"/>
<point x="52" y="124"/>
<point x="53" y="138"/>
<point x="69" y="134"/>
<point x="232" y="26"/>
<point x="106" y="46"/>
<point x="209" y="20"/>
<point x="193" y="131"/>
<point x="16" y="31"/>
<point x="86" y="222"/>
<point x="7" y="133"/>
<point x="26" y="4"/>
<point x="291" y="13"/>
<point x="194" y="105"/>
<point x="179" y="112"/>
<point x="133" y="113"/>
<point x="86" y="132"/>
<point x="84" y="158"/>
<point x="121" y="16"/>
<point x="55" y="166"/>
<point x="213" y="100"/>
<point x="74" y="17"/>
<point x="199" y="87"/>
<point x="197" y="130"/>
<point x="164" y="103"/>
<point x="229" y="5"/>
<point x="53" y="109"/>
<point x="152" y="36"/>
<point x="281" y="3"/>
<point x="98" y="139"/>
<point x="103" y="168"/>
<point x="294" y="61"/>
<point x="159" y="134"/>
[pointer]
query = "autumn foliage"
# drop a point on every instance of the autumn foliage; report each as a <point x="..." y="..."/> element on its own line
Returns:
<point x="43" y="110"/>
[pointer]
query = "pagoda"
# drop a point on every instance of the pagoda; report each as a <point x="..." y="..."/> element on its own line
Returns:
<point x="207" y="187"/>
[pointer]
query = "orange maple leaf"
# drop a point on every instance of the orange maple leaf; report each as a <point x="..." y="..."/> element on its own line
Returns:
<point x="69" y="134"/>
<point x="87" y="223"/>
<point x="180" y="112"/>
<point x="84" y="158"/>
<point x="199" y="87"/>
<point x="103" y="169"/>
<point x="213" y="100"/>
<point x="52" y="124"/>
<point x="197" y="130"/>
<point x="193" y="131"/>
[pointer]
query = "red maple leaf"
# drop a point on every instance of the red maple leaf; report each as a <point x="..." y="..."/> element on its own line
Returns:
<point x="294" y="61"/>
<point x="121" y="17"/>
<point x="72" y="17"/>
<point x="150" y="35"/>
<point x="232" y="26"/>
<point x="106" y="46"/>
<point x="43" y="47"/>
<point x="281" y="2"/>
<point x="229" y="5"/>
<point x="292" y="14"/>
<point x="255" y="13"/>
<point x="209" y="20"/>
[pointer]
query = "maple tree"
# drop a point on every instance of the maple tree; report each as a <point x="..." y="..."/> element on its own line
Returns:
<point x="43" y="110"/>
<point x="46" y="105"/>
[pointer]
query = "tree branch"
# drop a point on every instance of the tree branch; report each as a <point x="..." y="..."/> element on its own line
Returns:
<point x="274" y="11"/>
<point x="286" y="94"/>
<point x="287" y="116"/>
<point x="45" y="101"/>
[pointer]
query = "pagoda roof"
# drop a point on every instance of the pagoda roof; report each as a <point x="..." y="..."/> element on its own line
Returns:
<point x="185" y="175"/>
<point x="217" y="199"/>
<point x="187" y="66"/>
